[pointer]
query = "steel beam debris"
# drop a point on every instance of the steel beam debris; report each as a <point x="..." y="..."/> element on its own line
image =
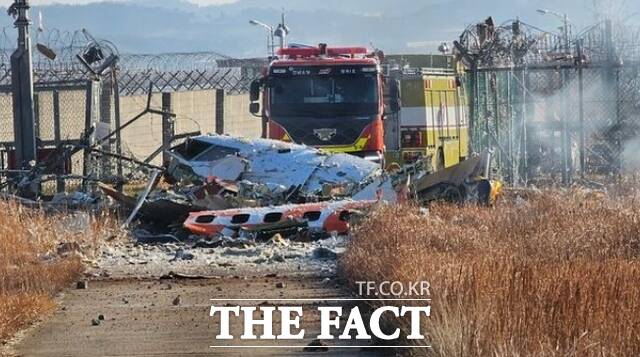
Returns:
<point x="152" y="182"/>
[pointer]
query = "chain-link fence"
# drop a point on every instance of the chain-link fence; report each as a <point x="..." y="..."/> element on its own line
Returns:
<point x="80" y="89"/>
<point x="558" y="122"/>
<point x="556" y="109"/>
<point x="60" y="115"/>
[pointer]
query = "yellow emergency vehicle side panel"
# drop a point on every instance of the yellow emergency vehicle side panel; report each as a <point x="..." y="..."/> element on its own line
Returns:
<point x="434" y="119"/>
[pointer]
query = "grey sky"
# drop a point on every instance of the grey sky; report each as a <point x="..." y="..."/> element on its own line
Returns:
<point x="396" y="26"/>
<point x="46" y="2"/>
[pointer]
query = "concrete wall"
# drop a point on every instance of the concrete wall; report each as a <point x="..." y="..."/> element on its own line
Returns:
<point x="45" y="126"/>
<point x="195" y="111"/>
<point x="144" y="136"/>
<point x="237" y="119"/>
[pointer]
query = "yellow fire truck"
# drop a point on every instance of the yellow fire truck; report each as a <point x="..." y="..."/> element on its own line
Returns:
<point x="433" y="118"/>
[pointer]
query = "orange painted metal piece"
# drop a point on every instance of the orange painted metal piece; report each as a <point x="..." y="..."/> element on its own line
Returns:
<point x="321" y="216"/>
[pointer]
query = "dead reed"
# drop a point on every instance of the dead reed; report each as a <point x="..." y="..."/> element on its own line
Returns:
<point x="39" y="255"/>
<point x="552" y="274"/>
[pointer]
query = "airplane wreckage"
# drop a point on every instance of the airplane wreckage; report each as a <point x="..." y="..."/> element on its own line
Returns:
<point x="223" y="185"/>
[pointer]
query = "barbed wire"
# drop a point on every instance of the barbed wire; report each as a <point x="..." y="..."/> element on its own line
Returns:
<point x="517" y="43"/>
<point x="166" y="71"/>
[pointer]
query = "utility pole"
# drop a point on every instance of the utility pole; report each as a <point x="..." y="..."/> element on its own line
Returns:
<point x="22" y="86"/>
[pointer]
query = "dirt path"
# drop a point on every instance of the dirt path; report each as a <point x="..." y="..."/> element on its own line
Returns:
<point x="140" y="318"/>
<point x="131" y="291"/>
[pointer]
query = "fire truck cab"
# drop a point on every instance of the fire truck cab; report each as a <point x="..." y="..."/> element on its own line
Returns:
<point x="326" y="97"/>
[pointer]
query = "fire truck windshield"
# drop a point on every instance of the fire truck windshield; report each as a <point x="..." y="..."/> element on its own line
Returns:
<point x="324" y="96"/>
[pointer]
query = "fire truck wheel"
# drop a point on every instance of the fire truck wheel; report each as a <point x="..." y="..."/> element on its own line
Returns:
<point x="453" y="194"/>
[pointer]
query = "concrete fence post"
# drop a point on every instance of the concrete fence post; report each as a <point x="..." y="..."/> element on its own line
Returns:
<point x="219" y="111"/>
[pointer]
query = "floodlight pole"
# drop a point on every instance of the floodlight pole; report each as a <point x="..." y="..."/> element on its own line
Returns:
<point x="22" y="86"/>
<point x="565" y="28"/>
<point x="270" y="45"/>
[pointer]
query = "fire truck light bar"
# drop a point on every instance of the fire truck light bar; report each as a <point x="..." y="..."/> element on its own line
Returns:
<point x="337" y="51"/>
<point x="315" y="51"/>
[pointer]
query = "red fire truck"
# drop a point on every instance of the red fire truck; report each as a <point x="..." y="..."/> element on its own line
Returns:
<point x="326" y="97"/>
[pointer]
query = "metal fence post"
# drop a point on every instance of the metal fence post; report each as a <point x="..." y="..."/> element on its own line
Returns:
<point x="485" y="109"/>
<point x="168" y="130"/>
<point x="36" y="131"/>
<point x="523" y="134"/>
<point x="613" y="85"/>
<point x="88" y="123"/>
<point x="116" y="117"/>
<point x="512" y="168"/>
<point x="473" y="111"/>
<point x="36" y="118"/>
<point x="105" y="120"/>
<point x="565" y="146"/>
<point x="495" y="85"/>
<point x="57" y="138"/>
<point x="620" y="121"/>
<point x="581" y="115"/>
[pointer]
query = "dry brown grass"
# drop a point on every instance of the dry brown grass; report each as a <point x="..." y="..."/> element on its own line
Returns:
<point x="556" y="274"/>
<point x="31" y="271"/>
